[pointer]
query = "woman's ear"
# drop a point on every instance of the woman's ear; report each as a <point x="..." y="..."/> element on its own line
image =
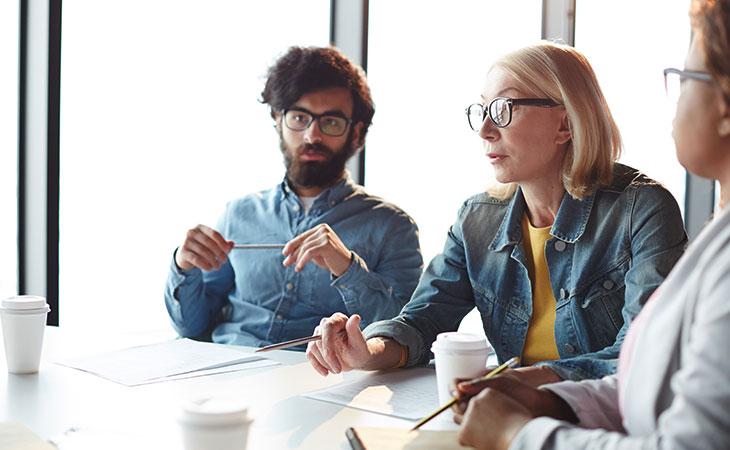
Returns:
<point x="563" y="135"/>
<point x="723" y="126"/>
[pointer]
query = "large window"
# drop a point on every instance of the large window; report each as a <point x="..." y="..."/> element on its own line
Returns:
<point x="9" y="38"/>
<point x="160" y="127"/>
<point x="629" y="44"/>
<point x="421" y="153"/>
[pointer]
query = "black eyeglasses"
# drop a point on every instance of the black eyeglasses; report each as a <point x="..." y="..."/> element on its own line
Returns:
<point x="500" y="110"/>
<point x="673" y="80"/>
<point x="331" y="124"/>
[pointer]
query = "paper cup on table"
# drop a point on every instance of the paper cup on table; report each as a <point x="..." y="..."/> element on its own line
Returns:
<point x="24" y="322"/>
<point x="458" y="355"/>
<point x="215" y="423"/>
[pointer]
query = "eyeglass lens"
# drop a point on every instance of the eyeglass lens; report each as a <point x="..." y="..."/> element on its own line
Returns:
<point x="673" y="85"/>
<point x="500" y="112"/>
<point x="330" y="125"/>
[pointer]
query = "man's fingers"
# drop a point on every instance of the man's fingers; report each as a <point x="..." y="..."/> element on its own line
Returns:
<point x="201" y="256"/>
<point x="217" y="238"/>
<point x="295" y="242"/>
<point x="205" y="248"/>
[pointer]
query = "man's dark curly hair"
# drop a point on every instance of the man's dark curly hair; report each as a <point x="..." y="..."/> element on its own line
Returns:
<point x="302" y="70"/>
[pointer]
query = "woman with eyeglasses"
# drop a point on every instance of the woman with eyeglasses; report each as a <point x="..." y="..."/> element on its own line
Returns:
<point x="558" y="258"/>
<point x="672" y="389"/>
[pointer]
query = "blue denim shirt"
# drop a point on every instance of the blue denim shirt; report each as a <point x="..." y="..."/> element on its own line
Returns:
<point x="607" y="254"/>
<point x="254" y="300"/>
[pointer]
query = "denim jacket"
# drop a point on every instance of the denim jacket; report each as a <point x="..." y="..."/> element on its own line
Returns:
<point x="254" y="300"/>
<point x="606" y="255"/>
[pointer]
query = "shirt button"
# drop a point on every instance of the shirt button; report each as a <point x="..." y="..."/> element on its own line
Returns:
<point x="333" y="203"/>
<point x="289" y="286"/>
<point x="569" y="348"/>
<point x="563" y="293"/>
<point x="296" y="208"/>
<point x="608" y="284"/>
<point x="560" y="246"/>
<point x="279" y="317"/>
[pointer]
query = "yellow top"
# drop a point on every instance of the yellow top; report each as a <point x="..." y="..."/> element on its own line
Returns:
<point x="540" y="339"/>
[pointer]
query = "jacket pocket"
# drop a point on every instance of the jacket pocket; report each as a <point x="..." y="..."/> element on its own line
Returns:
<point x="484" y="301"/>
<point x="601" y="305"/>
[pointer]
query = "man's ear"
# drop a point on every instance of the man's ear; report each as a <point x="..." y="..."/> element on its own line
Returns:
<point x="357" y="134"/>
<point x="277" y="118"/>
<point x="563" y="134"/>
<point x="723" y="126"/>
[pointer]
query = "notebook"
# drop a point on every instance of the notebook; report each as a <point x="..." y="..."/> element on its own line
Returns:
<point x="378" y="438"/>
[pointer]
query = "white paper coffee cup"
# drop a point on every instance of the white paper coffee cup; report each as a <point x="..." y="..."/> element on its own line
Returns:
<point x="24" y="322"/>
<point x="458" y="355"/>
<point x="215" y="423"/>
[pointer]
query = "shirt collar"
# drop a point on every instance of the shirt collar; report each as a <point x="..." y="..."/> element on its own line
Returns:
<point x="328" y="198"/>
<point x="569" y="224"/>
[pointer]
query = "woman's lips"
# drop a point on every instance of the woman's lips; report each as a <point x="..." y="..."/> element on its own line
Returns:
<point x="495" y="158"/>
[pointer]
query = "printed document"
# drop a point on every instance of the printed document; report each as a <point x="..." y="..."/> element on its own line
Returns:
<point x="165" y="361"/>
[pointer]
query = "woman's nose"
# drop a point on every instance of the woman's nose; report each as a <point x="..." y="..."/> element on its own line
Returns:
<point x="488" y="131"/>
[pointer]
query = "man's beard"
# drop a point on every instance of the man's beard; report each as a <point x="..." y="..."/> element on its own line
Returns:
<point x="307" y="174"/>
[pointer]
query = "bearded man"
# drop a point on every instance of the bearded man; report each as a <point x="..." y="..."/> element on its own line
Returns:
<point x="365" y="251"/>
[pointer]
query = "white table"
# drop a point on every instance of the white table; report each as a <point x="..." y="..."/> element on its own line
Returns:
<point x="59" y="398"/>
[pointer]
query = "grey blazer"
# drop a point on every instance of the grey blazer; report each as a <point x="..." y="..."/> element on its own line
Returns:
<point x="675" y="393"/>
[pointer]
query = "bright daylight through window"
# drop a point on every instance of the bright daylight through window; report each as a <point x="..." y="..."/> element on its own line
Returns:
<point x="160" y="127"/>
<point x="421" y="153"/>
<point x="9" y="20"/>
<point x="634" y="83"/>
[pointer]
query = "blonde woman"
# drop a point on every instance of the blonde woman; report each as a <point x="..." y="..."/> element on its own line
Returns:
<point x="672" y="390"/>
<point x="558" y="259"/>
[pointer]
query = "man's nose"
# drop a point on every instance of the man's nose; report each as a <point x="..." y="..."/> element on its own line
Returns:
<point x="313" y="134"/>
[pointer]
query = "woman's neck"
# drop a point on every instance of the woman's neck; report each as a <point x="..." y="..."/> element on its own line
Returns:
<point x="543" y="201"/>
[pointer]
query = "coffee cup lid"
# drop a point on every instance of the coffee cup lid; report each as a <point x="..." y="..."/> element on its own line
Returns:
<point x="24" y="302"/>
<point x="460" y="341"/>
<point x="215" y="411"/>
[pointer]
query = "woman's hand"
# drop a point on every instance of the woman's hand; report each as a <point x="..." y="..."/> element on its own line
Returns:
<point x="492" y="420"/>
<point x="538" y="402"/>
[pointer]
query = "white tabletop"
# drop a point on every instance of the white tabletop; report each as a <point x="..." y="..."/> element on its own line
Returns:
<point x="59" y="398"/>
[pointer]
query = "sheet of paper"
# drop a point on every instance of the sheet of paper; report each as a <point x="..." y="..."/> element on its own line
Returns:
<point x="408" y="394"/>
<point x="164" y="361"/>
<point x="16" y="436"/>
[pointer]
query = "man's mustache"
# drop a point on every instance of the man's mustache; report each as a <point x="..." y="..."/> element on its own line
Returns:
<point x="318" y="148"/>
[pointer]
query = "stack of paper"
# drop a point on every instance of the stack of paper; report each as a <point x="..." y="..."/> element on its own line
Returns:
<point x="165" y="361"/>
<point x="405" y="393"/>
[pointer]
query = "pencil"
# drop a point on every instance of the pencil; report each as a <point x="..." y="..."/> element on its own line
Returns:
<point x="288" y="344"/>
<point x="510" y="363"/>
<point x="255" y="246"/>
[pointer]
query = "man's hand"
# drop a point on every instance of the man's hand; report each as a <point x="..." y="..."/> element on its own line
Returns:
<point x="204" y="248"/>
<point x="342" y="348"/>
<point x="320" y="245"/>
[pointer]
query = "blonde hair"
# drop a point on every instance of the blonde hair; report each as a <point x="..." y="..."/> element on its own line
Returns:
<point x="561" y="73"/>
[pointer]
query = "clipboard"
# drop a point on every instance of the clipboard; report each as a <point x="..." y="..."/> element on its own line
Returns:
<point x="380" y="438"/>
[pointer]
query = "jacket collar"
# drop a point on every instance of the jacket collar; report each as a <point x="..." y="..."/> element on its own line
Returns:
<point x="569" y="224"/>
